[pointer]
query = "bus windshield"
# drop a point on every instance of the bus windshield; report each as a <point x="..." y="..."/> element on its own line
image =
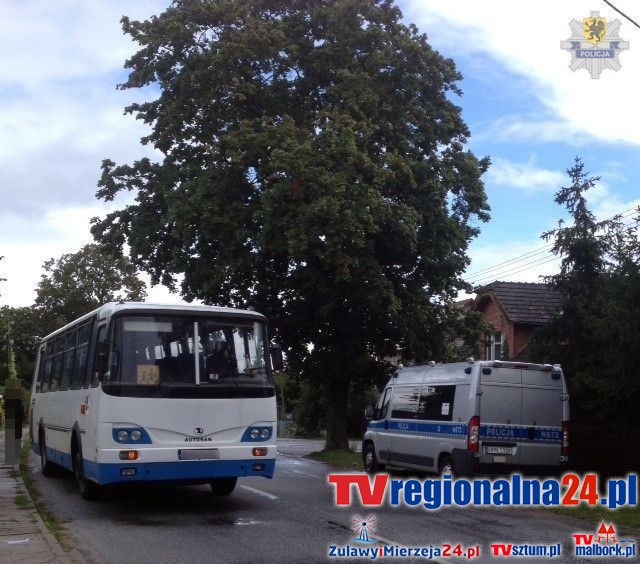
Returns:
<point x="176" y="351"/>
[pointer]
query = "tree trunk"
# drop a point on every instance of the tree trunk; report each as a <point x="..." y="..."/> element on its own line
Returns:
<point x="337" y="393"/>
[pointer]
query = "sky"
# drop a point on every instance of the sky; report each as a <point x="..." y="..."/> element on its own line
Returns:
<point x="60" y="115"/>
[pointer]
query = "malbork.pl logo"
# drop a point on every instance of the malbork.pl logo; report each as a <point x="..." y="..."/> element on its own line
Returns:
<point x="603" y="543"/>
<point x="594" y="44"/>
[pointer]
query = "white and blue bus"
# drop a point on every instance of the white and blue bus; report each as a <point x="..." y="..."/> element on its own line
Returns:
<point x="135" y="392"/>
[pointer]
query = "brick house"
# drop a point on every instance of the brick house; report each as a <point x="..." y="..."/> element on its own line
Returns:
<point x="514" y="310"/>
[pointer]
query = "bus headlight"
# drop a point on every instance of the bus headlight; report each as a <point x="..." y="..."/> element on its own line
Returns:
<point x="128" y="435"/>
<point x="257" y="434"/>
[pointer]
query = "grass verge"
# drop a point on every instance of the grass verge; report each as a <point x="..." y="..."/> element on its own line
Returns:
<point x="55" y="526"/>
<point x="621" y="517"/>
<point x="342" y="458"/>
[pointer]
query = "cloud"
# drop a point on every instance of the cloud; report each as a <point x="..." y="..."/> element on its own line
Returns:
<point x="523" y="176"/>
<point x="44" y="42"/>
<point x="60" y="230"/>
<point x="52" y="151"/>
<point x="527" y="43"/>
<point x="532" y="129"/>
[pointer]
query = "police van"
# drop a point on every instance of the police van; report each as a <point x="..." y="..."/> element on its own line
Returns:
<point x="470" y="416"/>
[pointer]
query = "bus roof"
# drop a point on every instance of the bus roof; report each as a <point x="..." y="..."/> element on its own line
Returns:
<point x="107" y="310"/>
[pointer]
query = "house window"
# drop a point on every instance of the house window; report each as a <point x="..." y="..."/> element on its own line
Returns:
<point x="495" y="347"/>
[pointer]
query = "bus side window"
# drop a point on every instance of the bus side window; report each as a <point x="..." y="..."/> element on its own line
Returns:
<point x="43" y="352"/>
<point x="48" y="367"/>
<point x="57" y="364"/>
<point x="98" y="363"/>
<point x="68" y="359"/>
<point x="82" y="353"/>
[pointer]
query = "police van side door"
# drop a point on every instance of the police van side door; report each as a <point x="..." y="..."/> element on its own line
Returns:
<point x="434" y="430"/>
<point x="403" y="424"/>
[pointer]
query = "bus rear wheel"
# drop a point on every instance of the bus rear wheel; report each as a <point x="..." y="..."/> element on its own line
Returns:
<point x="88" y="490"/>
<point x="48" y="468"/>
<point x="223" y="486"/>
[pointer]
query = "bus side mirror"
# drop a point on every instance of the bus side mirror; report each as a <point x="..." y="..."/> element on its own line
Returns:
<point x="368" y="412"/>
<point x="277" y="361"/>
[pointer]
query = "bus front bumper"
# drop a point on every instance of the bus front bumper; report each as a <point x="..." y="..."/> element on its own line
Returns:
<point x="193" y="471"/>
<point x="188" y="464"/>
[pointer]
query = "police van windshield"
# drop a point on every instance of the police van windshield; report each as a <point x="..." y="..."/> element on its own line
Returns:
<point x="163" y="350"/>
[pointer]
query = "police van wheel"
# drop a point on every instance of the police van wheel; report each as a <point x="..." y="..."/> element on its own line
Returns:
<point x="48" y="468"/>
<point x="223" y="486"/>
<point x="445" y="467"/>
<point x="371" y="464"/>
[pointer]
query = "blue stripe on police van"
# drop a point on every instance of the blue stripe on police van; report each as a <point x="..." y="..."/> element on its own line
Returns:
<point x="521" y="433"/>
<point x="423" y="428"/>
<point x="499" y="432"/>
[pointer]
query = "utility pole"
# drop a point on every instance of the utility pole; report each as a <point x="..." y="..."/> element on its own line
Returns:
<point x="14" y="410"/>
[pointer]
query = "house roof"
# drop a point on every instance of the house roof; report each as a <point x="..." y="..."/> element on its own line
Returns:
<point x="524" y="302"/>
<point x="464" y="304"/>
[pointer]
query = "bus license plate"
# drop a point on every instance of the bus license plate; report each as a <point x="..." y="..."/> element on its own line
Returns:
<point x="199" y="454"/>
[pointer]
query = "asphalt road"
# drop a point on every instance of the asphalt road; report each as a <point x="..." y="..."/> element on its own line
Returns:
<point x="291" y="518"/>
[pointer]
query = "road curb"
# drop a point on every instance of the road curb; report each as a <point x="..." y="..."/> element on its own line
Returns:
<point x="52" y="541"/>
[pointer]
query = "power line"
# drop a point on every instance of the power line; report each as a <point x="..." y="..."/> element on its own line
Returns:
<point x="544" y="249"/>
<point x="520" y="268"/>
<point x="621" y="13"/>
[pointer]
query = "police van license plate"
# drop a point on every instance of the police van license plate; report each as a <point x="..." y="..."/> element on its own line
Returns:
<point x="499" y="450"/>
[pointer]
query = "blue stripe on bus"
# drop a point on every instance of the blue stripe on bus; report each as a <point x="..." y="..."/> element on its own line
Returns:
<point x="56" y="456"/>
<point x="446" y="429"/>
<point x="106" y="473"/>
<point x="109" y="473"/>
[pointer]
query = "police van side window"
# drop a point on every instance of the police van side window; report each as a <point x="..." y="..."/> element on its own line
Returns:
<point x="436" y="403"/>
<point x="405" y="402"/>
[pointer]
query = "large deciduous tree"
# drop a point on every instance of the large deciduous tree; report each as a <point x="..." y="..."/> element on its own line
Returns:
<point x="313" y="166"/>
<point x="25" y="326"/>
<point x="76" y="283"/>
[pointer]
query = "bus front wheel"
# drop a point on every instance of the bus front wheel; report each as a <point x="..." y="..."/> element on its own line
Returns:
<point x="223" y="486"/>
<point x="88" y="490"/>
